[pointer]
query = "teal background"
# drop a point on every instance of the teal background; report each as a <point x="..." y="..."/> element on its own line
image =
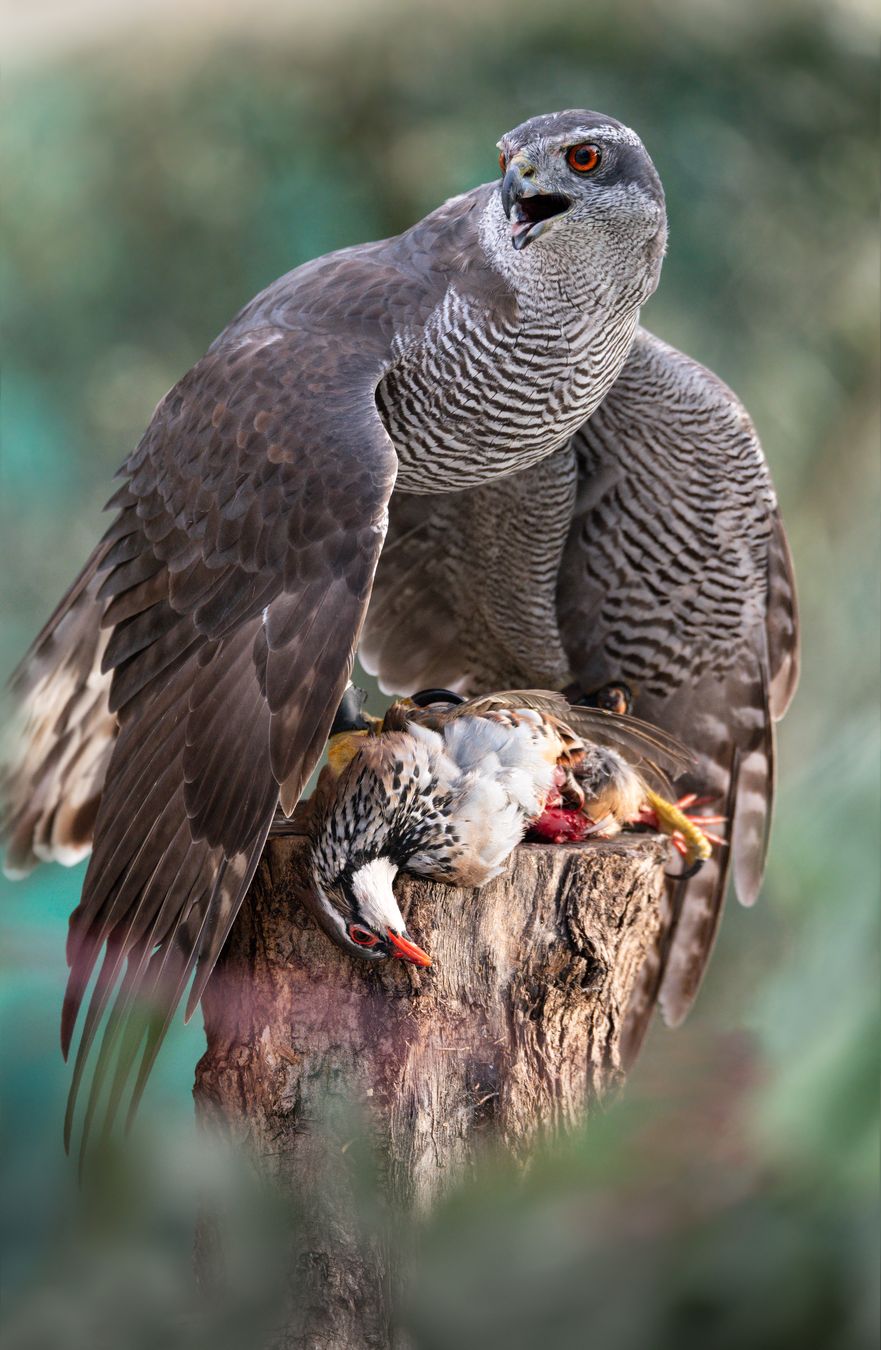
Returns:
<point x="160" y="165"/>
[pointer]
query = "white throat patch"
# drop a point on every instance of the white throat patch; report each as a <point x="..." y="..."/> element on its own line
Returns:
<point x="372" y="888"/>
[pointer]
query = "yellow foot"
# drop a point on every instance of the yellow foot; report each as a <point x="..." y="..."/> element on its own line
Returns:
<point x="686" y="835"/>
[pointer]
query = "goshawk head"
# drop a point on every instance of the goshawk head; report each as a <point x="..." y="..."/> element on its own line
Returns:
<point x="580" y="184"/>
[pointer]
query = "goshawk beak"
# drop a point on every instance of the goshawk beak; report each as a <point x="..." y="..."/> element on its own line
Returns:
<point x="528" y="208"/>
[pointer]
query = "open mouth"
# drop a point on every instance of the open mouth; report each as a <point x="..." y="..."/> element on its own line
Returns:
<point x="530" y="215"/>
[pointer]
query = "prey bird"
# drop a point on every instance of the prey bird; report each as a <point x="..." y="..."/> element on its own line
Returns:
<point x="446" y="790"/>
<point x="565" y="492"/>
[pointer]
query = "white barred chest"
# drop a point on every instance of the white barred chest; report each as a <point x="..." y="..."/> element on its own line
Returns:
<point x="471" y="398"/>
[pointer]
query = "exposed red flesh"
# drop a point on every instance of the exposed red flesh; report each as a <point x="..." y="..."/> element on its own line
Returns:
<point x="560" y="825"/>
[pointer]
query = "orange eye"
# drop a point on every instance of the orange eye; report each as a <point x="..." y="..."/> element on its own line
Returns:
<point x="501" y="161"/>
<point x="362" y="936"/>
<point x="583" y="158"/>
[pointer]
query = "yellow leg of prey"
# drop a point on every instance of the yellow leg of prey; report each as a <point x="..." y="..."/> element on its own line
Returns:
<point x="671" y="821"/>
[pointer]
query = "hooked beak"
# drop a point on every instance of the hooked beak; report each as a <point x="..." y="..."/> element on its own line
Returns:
<point x="406" y="950"/>
<point x="528" y="208"/>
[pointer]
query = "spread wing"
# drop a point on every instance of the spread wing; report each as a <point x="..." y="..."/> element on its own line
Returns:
<point x="235" y="578"/>
<point x="232" y="588"/>
<point x="354" y="301"/>
<point x="677" y="578"/>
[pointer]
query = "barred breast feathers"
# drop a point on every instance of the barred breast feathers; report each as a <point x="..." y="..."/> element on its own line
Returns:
<point x="479" y="392"/>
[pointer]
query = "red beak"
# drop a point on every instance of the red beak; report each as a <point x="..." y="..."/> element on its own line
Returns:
<point x="406" y="950"/>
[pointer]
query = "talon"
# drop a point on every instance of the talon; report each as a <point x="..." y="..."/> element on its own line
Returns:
<point x="687" y="872"/>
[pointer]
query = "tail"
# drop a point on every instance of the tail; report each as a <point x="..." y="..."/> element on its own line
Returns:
<point x="63" y="734"/>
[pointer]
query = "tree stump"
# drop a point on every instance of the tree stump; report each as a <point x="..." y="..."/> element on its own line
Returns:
<point x="508" y="1037"/>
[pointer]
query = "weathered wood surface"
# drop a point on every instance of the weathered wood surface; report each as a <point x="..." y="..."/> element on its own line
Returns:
<point x="510" y="1035"/>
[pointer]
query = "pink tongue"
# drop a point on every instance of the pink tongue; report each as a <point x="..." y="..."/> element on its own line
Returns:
<point x="520" y="223"/>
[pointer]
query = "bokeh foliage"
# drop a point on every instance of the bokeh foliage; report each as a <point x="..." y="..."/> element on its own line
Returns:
<point x="152" y="184"/>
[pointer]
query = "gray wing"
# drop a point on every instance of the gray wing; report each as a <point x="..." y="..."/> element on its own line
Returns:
<point x="233" y="581"/>
<point x="677" y="578"/>
<point x="355" y="303"/>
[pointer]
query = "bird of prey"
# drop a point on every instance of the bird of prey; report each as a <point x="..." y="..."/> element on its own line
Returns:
<point x="185" y="685"/>
<point x="446" y="790"/>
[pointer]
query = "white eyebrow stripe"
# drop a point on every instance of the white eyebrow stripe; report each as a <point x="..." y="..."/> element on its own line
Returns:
<point x="613" y="135"/>
<point x="619" y="135"/>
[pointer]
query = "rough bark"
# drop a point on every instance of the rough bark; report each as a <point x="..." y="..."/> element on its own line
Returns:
<point x="509" y="1036"/>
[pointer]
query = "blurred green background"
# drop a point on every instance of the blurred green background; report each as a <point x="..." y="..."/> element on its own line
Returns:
<point x="162" y="163"/>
